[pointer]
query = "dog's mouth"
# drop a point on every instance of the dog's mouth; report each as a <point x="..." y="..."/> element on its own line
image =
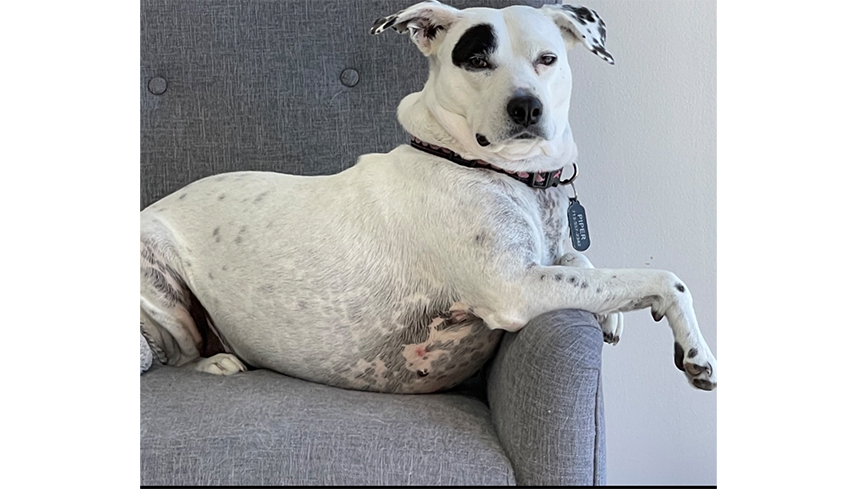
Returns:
<point x="523" y="135"/>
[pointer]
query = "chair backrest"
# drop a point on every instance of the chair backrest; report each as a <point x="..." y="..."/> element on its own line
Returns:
<point x="295" y="86"/>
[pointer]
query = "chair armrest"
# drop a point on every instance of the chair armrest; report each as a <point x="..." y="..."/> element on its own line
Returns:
<point x="544" y="391"/>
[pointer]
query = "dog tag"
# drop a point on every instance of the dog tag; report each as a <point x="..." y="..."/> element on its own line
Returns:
<point x="577" y="225"/>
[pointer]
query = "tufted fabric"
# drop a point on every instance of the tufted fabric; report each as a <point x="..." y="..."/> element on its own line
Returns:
<point x="295" y="86"/>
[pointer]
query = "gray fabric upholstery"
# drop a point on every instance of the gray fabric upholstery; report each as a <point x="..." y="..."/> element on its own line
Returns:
<point x="255" y="85"/>
<point x="544" y="390"/>
<point x="231" y="85"/>
<point x="262" y="428"/>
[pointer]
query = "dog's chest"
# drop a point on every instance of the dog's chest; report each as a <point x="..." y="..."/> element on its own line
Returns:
<point x="539" y="220"/>
<point x="552" y="209"/>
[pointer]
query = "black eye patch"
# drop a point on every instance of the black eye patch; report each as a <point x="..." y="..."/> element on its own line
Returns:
<point x="478" y="41"/>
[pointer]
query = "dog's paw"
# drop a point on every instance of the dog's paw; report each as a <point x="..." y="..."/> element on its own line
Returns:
<point x="699" y="365"/>
<point x="220" y="364"/>
<point x="612" y="326"/>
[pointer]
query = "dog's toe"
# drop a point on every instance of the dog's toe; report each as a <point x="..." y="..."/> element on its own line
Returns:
<point x="611" y="326"/>
<point x="700" y="369"/>
<point x="221" y="364"/>
<point x="694" y="369"/>
<point x="704" y="384"/>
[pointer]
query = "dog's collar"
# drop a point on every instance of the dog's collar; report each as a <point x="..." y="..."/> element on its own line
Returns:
<point x="545" y="179"/>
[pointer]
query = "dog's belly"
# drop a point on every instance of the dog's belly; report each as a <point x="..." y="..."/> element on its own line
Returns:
<point x="359" y="345"/>
<point x="319" y="292"/>
<point x="421" y="358"/>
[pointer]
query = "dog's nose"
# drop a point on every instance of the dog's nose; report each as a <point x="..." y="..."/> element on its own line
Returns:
<point x="524" y="110"/>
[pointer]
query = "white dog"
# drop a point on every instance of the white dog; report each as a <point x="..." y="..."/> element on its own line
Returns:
<point x="399" y="274"/>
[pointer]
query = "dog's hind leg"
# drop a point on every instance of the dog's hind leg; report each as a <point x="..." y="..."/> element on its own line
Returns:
<point x="172" y="320"/>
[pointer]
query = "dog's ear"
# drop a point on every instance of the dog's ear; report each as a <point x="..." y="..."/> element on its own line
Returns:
<point x="426" y="22"/>
<point x="580" y="24"/>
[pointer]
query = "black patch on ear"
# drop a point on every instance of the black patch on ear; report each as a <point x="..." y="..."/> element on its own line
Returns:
<point x="581" y="13"/>
<point x="384" y="22"/>
<point x="478" y="41"/>
<point x="431" y="31"/>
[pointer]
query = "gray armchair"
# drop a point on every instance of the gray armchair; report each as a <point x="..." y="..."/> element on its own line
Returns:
<point x="299" y="86"/>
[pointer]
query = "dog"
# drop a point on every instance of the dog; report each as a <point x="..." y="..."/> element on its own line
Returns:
<point x="400" y="273"/>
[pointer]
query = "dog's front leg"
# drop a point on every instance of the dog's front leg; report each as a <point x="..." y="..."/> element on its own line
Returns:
<point x="612" y="324"/>
<point x="605" y="291"/>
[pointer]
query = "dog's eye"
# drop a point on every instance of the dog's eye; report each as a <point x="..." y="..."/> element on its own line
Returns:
<point x="478" y="62"/>
<point x="547" y="59"/>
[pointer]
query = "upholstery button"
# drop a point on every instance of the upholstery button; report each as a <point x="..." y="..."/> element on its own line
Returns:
<point x="157" y="85"/>
<point x="349" y="77"/>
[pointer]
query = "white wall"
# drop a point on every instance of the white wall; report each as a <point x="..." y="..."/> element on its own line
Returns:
<point x="646" y="130"/>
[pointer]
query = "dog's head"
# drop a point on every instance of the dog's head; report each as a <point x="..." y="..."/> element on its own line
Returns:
<point x="499" y="81"/>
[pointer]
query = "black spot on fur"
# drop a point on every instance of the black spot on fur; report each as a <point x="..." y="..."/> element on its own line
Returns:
<point x="600" y="51"/>
<point x="477" y="42"/>
<point x="692" y="353"/>
<point x="678" y="356"/>
<point x="559" y="277"/>
<point x="572" y="280"/>
<point x="679" y="287"/>
<point x="583" y="285"/>
<point x="182" y="196"/>
<point x="216" y="231"/>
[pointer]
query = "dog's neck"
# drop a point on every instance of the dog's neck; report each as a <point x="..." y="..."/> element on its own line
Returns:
<point x="424" y="123"/>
